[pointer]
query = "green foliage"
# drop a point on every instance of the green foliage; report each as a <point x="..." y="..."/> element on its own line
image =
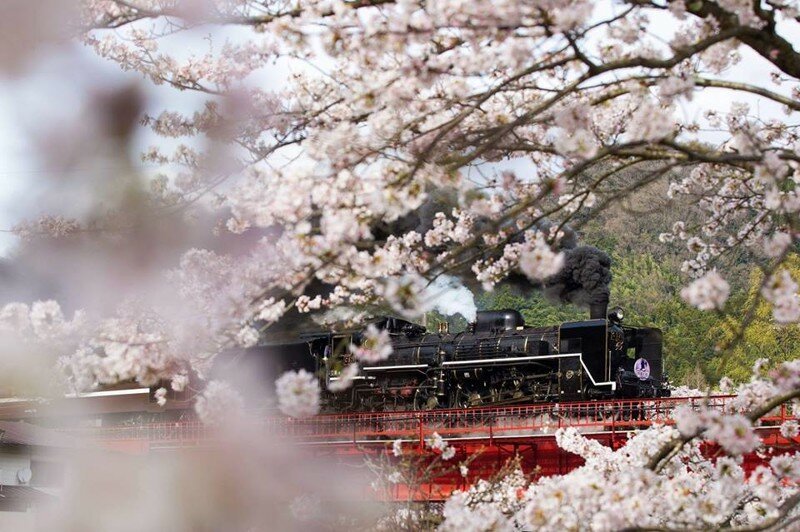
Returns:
<point x="762" y="338"/>
<point x="534" y="308"/>
<point x="456" y="322"/>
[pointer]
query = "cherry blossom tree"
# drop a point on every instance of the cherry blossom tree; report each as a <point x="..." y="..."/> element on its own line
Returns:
<point x="412" y="140"/>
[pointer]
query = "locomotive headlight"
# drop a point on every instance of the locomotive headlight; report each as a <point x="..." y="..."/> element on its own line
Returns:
<point x="616" y="315"/>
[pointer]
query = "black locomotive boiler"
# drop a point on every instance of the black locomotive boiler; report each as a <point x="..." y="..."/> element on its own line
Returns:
<point x="497" y="360"/>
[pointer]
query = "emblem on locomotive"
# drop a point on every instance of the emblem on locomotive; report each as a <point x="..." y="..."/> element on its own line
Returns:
<point x="642" y="369"/>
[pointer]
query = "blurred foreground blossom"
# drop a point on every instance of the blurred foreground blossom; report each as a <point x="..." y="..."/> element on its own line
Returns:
<point x="365" y="173"/>
<point x="218" y="404"/>
<point x="375" y="347"/>
<point x="707" y="293"/>
<point x="345" y="378"/>
<point x="298" y="393"/>
<point x="245" y="481"/>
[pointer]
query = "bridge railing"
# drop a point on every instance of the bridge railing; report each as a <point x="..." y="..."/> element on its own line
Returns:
<point x="490" y="422"/>
<point x="486" y="423"/>
<point x="178" y="431"/>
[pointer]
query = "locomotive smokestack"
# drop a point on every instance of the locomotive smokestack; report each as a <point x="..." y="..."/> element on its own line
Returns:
<point x="598" y="310"/>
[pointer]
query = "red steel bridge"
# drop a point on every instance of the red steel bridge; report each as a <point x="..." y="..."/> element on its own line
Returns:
<point x="489" y="436"/>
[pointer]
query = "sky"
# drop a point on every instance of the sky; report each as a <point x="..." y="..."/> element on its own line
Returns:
<point x="33" y="107"/>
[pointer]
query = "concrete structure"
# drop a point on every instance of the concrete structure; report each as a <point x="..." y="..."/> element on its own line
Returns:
<point x="32" y="470"/>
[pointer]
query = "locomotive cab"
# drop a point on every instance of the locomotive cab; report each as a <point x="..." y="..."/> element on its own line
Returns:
<point x="639" y="364"/>
<point x="602" y="357"/>
<point x="584" y="361"/>
<point x="636" y="355"/>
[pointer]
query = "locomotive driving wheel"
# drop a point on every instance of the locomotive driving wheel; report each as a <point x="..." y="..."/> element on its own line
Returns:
<point x="425" y="397"/>
<point x="375" y="403"/>
<point x="511" y="389"/>
<point x="466" y="398"/>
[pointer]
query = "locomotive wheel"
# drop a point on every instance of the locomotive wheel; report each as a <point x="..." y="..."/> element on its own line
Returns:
<point x="371" y="403"/>
<point x="425" y="397"/>
<point x="475" y="399"/>
<point x="466" y="398"/>
<point x="511" y="391"/>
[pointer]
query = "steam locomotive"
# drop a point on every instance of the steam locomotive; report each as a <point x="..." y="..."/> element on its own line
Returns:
<point x="497" y="360"/>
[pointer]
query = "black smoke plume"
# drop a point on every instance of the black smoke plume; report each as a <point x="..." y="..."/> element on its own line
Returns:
<point x="584" y="280"/>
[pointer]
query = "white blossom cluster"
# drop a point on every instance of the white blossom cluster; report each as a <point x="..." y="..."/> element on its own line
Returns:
<point x="218" y="404"/>
<point x="298" y="393"/>
<point x="574" y="134"/>
<point x="734" y="432"/>
<point x="397" y="448"/>
<point x="161" y="396"/>
<point x="42" y="321"/>
<point x="539" y="261"/>
<point x="709" y="292"/>
<point x="345" y="378"/>
<point x="781" y="290"/>
<point x="686" y="391"/>
<point x="487" y="505"/>
<point x="534" y="258"/>
<point x="376" y="346"/>
<point x="87" y="352"/>
<point x="435" y="442"/>
<point x="614" y="491"/>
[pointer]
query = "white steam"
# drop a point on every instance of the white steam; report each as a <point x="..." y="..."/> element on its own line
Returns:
<point x="449" y="296"/>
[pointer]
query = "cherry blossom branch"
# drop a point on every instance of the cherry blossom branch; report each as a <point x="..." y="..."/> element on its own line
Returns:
<point x="660" y="459"/>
